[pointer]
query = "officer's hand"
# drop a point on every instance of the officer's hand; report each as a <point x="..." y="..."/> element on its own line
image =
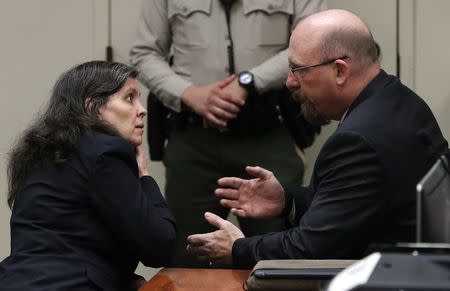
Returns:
<point x="209" y="101"/>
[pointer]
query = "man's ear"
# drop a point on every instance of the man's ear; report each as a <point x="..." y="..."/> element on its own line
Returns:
<point x="342" y="71"/>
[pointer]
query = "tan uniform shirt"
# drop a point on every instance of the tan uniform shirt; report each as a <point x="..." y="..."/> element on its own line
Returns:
<point x="195" y="33"/>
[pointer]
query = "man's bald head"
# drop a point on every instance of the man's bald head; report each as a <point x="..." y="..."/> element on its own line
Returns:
<point x="337" y="33"/>
<point x="334" y="57"/>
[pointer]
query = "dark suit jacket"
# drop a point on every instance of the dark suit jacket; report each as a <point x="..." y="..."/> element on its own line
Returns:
<point x="85" y="224"/>
<point x="363" y="186"/>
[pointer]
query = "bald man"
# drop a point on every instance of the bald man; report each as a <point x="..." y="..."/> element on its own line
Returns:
<point x="363" y="186"/>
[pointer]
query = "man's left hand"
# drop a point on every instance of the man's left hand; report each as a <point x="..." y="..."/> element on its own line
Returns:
<point x="215" y="247"/>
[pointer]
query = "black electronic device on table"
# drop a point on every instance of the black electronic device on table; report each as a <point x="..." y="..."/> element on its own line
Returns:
<point x="296" y="273"/>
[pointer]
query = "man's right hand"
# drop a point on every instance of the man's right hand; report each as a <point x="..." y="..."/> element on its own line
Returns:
<point x="261" y="197"/>
<point x="211" y="103"/>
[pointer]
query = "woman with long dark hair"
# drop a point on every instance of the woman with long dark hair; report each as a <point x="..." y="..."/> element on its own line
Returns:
<point x="84" y="209"/>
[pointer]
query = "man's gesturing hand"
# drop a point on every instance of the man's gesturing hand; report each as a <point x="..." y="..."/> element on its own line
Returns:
<point x="261" y="197"/>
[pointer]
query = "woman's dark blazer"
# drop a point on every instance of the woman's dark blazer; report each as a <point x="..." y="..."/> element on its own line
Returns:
<point x="84" y="224"/>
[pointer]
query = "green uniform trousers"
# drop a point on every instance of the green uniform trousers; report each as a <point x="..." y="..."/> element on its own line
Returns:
<point x="196" y="157"/>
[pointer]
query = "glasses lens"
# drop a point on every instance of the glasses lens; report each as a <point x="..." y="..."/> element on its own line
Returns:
<point x="297" y="74"/>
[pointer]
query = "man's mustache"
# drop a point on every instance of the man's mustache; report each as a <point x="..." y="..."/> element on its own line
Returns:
<point x="309" y="110"/>
<point x="297" y="96"/>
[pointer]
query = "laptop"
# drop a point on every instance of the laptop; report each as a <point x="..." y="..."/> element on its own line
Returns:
<point x="433" y="204"/>
<point x="433" y="212"/>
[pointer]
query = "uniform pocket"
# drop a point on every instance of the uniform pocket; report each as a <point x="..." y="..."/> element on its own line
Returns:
<point x="186" y="7"/>
<point x="188" y="19"/>
<point x="270" y="19"/>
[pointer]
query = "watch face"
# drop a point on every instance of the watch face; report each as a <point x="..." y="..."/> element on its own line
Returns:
<point x="245" y="78"/>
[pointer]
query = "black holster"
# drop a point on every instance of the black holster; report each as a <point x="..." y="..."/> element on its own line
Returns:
<point x="158" y="126"/>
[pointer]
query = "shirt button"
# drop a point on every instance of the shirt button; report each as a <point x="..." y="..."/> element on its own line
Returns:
<point x="270" y="6"/>
<point x="227" y="37"/>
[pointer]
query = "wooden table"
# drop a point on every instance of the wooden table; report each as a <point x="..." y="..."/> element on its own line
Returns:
<point x="197" y="279"/>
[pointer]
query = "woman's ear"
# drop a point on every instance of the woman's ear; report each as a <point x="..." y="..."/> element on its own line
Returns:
<point x="342" y="72"/>
<point x="88" y="104"/>
<point x="89" y="108"/>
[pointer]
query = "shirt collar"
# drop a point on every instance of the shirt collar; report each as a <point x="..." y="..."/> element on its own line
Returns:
<point x="378" y="82"/>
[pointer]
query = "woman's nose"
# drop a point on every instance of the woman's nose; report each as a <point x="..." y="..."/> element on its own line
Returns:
<point x="141" y="110"/>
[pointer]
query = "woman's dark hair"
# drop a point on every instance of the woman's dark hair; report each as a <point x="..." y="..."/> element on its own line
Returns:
<point x="72" y="112"/>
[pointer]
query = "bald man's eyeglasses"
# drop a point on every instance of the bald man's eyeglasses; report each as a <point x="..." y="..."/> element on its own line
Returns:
<point x="327" y="62"/>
